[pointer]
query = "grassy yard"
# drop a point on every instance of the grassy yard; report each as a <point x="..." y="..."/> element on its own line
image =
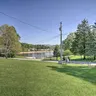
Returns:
<point x="35" y="78"/>
<point x="80" y="58"/>
<point x="73" y="58"/>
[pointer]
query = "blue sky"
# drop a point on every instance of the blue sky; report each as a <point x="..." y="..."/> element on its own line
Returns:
<point x="46" y="14"/>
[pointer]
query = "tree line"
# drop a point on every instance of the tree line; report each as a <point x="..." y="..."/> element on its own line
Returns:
<point x="80" y="42"/>
<point x="83" y="41"/>
<point x="31" y="47"/>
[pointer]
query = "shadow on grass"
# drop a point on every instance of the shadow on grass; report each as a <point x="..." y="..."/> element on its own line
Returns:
<point x="83" y="72"/>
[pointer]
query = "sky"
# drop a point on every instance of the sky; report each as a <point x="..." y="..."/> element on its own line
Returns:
<point x="47" y="15"/>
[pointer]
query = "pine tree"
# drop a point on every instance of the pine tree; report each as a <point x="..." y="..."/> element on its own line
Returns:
<point x="91" y="42"/>
<point x="79" y="44"/>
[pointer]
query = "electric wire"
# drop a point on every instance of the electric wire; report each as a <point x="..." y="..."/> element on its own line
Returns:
<point x="48" y="39"/>
<point x="24" y="22"/>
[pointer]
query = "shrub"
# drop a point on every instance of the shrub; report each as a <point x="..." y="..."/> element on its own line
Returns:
<point x="67" y="53"/>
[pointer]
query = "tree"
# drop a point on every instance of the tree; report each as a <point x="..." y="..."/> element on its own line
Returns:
<point x="74" y="47"/>
<point x="67" y="53"/>
<point x="26" y="46"/>
<point x="56" y="52"/>
<point x="91" y="42"/>
<point x="79" y="44"/>
<point x="67" y="43"/>
<point x="10" y="40"/>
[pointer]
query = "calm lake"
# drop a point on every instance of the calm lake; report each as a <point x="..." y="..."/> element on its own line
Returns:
<point x="38" y="54"/>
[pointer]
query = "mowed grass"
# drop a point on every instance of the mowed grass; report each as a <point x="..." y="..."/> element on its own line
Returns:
<point x="35" y="78"/>
<point x="80" y="58"/>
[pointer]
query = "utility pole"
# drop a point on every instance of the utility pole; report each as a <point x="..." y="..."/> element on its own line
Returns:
<point x="60" y="29"/>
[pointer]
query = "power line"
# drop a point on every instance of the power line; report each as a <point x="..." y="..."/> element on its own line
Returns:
<point x="32" y="26"/>
<point x="49" y="39"/>
<point x="24" y="22"/>
<point x="65" y="34"/>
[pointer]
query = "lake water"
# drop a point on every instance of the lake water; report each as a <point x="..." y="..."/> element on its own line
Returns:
<point x="39" y="55"/>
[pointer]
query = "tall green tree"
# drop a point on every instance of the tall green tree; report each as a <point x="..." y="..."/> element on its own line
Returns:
<point x="79" y="44"/>
<point x="91" y="42"/>
<point x="56" y="52"/>
<point x="67" y="43"/>
<point x="10" y="40"/>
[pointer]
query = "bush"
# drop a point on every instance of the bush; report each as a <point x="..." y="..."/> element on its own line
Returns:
<point x="11" y="55"/>
<point x="2" y="55"/>
<point x="67" y="53"/>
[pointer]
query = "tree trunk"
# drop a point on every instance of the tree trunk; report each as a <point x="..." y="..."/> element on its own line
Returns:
<point x="56" y="58"/>
<point x="6" y="53"/>
<point x="6" y="56"/>
<point x="81" y="56"/>
<point x="84" y="57"/>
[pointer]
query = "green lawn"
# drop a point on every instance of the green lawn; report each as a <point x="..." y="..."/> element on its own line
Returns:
<point x="17" y="56"/>
<point x="35" y="78"/>
<point x="79" y="58"/>
<point x="73" y="58"/>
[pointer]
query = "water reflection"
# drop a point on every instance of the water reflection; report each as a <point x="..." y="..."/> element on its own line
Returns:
<point x="38" y="55"/>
